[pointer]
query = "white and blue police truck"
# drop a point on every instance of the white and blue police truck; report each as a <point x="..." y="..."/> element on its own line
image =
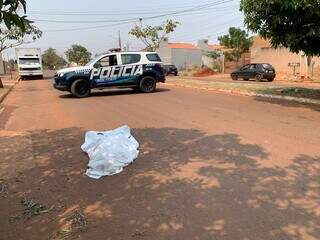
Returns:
<point x="138" y="70"/>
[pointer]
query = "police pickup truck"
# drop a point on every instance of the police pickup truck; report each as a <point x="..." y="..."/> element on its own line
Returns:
<point x="138" y="70"/>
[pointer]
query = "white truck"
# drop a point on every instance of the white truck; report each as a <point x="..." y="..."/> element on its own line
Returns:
<point x="29" y="62"/>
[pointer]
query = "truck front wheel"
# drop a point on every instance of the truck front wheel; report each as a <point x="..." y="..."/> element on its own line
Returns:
<point x="81" y="88"/>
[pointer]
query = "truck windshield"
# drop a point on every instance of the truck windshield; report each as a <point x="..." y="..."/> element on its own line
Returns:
<point x="29" y="61"/>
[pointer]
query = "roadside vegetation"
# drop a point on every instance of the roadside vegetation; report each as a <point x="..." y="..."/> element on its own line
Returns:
<point x="196" y="71"/>
<point x="152" y="36"/>
<point x="78" y="54"/>
<point x="247" y="88"/>
<point x="15" y="28"/>
<point x="73" y="224"/>
<point x="52" y="61"/>
<point x="31" y="208"/>
<point x="293" y="92"/>
<point x="237" y="42"/>
<point x="286" y="23"/>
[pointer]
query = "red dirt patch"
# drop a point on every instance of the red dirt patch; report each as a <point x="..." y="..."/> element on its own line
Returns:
<point x="204" y="72"/>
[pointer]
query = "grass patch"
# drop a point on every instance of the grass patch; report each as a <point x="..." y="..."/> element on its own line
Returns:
<point x="250" y="88"/>
<point x="31" y="209"/>
<point x="73" y="224"/>
<point x="293" y="92"/>
<point x="241" y="87"/>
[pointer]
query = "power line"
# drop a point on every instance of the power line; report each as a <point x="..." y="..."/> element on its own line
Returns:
<point x="87" y="28"/>
<point x="121" y="13"/>
<point x="193" y="9"/>
<point x="115" y="11"/>
<point x="211" y="26"/>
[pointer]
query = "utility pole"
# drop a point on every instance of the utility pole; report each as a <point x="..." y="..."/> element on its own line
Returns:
<point x="120" y="45"/>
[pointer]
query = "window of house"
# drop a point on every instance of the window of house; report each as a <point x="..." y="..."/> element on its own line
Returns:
<point x="130" y="58"/>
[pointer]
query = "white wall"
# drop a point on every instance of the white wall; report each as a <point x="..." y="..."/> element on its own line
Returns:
<point x="184" y="58"/>
<point x="165" y="52"/>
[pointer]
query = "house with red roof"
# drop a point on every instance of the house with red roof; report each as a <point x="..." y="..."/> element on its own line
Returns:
<point x="183" y="55"/>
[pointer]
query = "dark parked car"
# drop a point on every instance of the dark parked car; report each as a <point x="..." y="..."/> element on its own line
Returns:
<point x="257" y="71"/>
<point x="170" y="69"/>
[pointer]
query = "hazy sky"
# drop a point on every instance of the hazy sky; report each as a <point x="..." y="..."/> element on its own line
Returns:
<point x="95" y="23"/>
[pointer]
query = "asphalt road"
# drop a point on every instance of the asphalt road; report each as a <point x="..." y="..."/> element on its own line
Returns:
<point x="212" y="165"/>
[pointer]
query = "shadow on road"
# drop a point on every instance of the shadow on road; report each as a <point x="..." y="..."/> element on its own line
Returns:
<point x="185" y="185"/>
<point x="286" y="103"/>
<point x="115" y="92"/>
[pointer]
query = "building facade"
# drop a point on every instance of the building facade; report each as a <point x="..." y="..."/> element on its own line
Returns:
<point x="183" y="55"/>
<point x="285" y="62"/>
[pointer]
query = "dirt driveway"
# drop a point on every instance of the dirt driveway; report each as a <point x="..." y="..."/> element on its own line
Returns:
<point x="212" y="166"/>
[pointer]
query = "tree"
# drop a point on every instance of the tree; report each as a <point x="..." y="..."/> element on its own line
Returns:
<point x="238" y="41"/>
<point x="294" y="24"/>
<point x="214" y="54"/>
<point x="152" y="36"/>
<point x="52" y="60"/>
<point x="288" y="23"/>
<point x="10" y="14"/>
<point x="14" y="37"/>
<point x="78" y="54"/>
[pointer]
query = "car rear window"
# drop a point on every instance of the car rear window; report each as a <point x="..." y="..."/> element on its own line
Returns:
<point x="130" y="58"/>
<point x="153" y="57"/>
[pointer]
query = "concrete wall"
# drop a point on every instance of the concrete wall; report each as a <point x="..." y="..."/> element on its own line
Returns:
<point x="230" y="66"/>
<point x="165" y="52"/>
<point x="316" y="68"/>
<point x="280" y="59"/>
<point x="185" y="58"/>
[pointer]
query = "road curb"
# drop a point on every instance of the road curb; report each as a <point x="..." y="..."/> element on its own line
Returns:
<point x="8" y="91"/>
<point x="235" y="92"/>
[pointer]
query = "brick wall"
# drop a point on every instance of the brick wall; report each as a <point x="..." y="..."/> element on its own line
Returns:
<point x="230" y="66"/>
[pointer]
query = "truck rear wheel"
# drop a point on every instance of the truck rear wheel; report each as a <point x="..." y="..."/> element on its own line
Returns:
<point x="148" y="84"/>
<point x="80" y="88"/>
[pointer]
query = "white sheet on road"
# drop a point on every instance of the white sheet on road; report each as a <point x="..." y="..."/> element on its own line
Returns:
<point x="109" y="151"/>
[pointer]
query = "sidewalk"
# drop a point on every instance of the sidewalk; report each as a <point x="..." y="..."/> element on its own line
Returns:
<point x="8" y="82"/>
